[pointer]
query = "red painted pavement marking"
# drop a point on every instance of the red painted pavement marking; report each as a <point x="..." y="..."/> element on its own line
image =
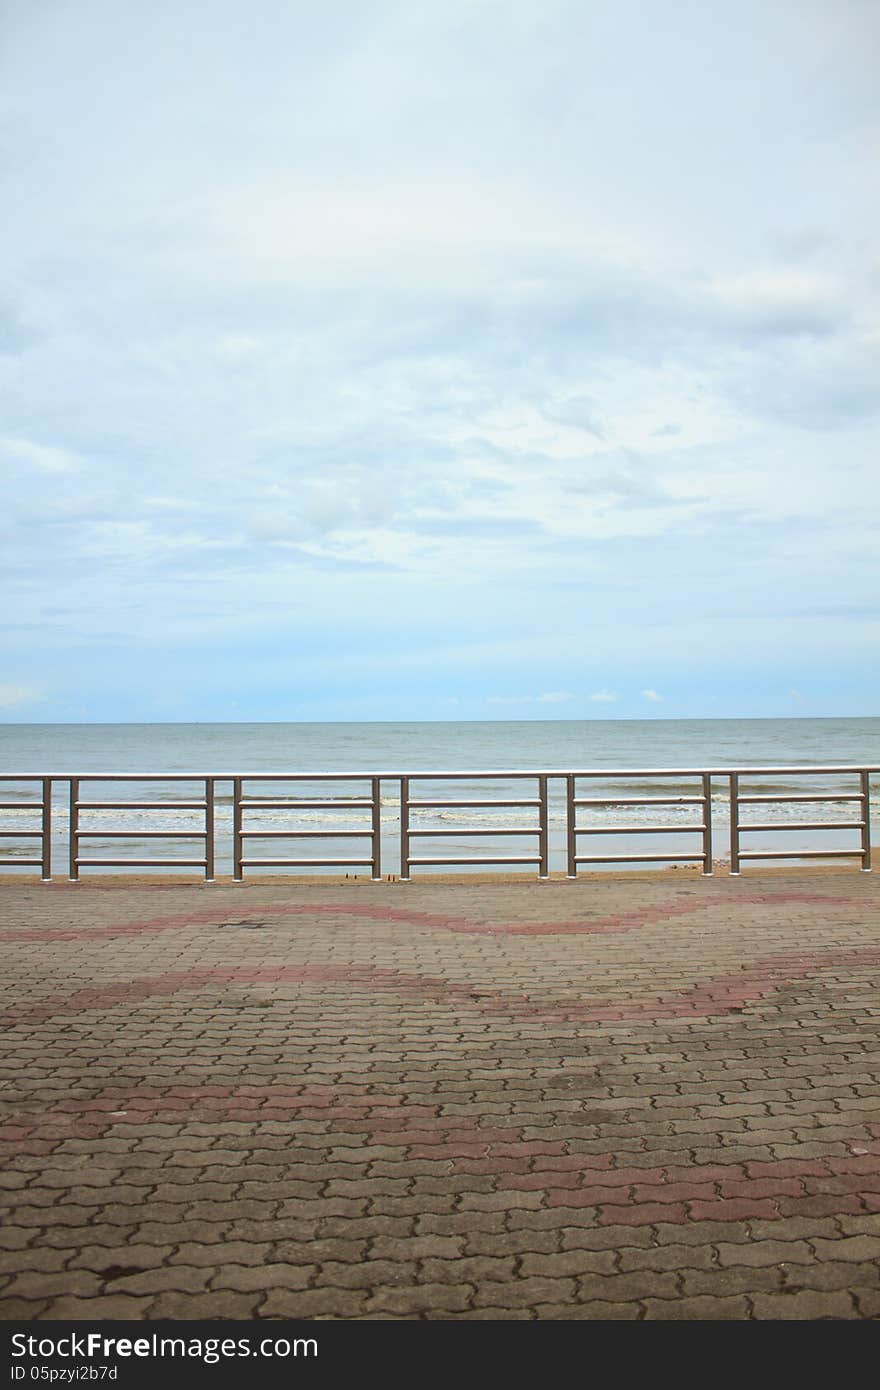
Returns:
<point x="620" y="1194"/>
<point x="717" y="995"/>
<point x="419" y="1127"/>
<point x="138" y="990"/>
<point x="611" y="925"/>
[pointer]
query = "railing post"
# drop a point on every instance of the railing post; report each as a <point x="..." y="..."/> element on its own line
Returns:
<point x="864" y="786"/>
<point x="46" y="826"/>
<point x="73" y="830"/>
<point x="404" y="829"/>
<point x="376" y="822"/>
<point x="707" y="822"/>
<point x="734" y="823"/>
<point x="543" y="829"/>
<point x="570" y="831"/>
<point x="209" y="829"/>
<point x="236" y="830"/>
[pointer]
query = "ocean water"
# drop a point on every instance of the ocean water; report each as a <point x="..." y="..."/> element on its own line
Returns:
<point x="556" y="746"/>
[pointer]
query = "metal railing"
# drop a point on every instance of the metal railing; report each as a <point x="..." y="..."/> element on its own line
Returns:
<point x="541" y="831"/>
<point x="242" y="804"/>
<point x="703" y="799"/>
<point x="77" y="832"/>
<point x="43" y="808"/>
<point x="546" y="798"/>
<point x="757" y="798"/>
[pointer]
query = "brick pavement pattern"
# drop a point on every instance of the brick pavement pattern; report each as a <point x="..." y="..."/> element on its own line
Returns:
<point x="650" y="1096"/>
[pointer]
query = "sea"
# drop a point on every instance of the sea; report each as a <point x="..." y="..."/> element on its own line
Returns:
<point x="417" y="749"/>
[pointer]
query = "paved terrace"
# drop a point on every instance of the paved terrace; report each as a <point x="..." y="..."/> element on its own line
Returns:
<point x="642" y="1097"/>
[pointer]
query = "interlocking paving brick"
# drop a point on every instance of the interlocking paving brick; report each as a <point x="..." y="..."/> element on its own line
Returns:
<point x="501" y="1315"/>
<point x="427" y="1298"/>
<point x="828" y="1275"/>
<point x="570" y="1262"/>
<point x="597" y="1310"/>
<point x="259" y="1277"/>
<point x="319" y="1303"/>
<point x="221" y="1304"/>
<point x="89" y="1309"/>
<point x="637" y="1096"/>
<point x="722" y="1283"/>
<point x="723" y="1309"/>
<point x="526" y="1293"/>
<point x="809" y="1304"/>
<point x="667" y="1257"/>
<point x="23" y="1309"/>
<point x="44" y="1259"/>
<point x="40" y="1284"/>
<point x="764" y="1253"/>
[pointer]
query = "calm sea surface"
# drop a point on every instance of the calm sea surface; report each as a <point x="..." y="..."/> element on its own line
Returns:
<point x="558" y="745"/>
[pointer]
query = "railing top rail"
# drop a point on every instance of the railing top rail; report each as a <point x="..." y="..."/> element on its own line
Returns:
<point x="741" y="769"/>
<point x="116" y="776"/>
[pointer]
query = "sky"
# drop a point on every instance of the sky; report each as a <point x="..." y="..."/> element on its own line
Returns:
<point x="439" y="359"/>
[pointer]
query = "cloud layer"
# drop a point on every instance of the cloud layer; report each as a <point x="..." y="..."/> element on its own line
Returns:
<point x="356" y="360"/>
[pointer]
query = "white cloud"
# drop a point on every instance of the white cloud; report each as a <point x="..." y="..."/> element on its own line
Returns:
<point x="236" y="348"/>
<point x="12" y="695"/>
<point x="789" y="300"/>
<point x="520" y="314"/>
<point x="44" y="458"/>
<point x="551" y="697"/>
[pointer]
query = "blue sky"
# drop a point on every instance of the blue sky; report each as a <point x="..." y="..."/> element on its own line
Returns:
<point x="434" y="359"/>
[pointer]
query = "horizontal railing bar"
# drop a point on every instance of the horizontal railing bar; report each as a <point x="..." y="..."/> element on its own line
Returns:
<point x="348" y="863"/>
<point x="135" y="777"/>
<point x="494" y="859"/>
<point x="431" y="773"/>
<point x="742" y="770"/>
<point x="635" y="858"/>
<point x="21" y="834"/>
<point x="637" y="829"/>
<point x="25" y="863"/>
<point x="250" y="802"/>
<point x="141" y="805"/>
<point x="800" y="796"/>
<point x="22" y="806"/>
<point x="637" y="800"/>
<point x="140" y="834"/>
<point x="800" y="854"/>
<point x="420" y="805"/>
<point x="302" y="776"/>
<point x="802" y="770"/>
<point x="488" y="830"/>
<point x="808" y="825"/>
<point x="306" y="834"/>
<point x="143" y="863"/>
<point x="497" y="774"/>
